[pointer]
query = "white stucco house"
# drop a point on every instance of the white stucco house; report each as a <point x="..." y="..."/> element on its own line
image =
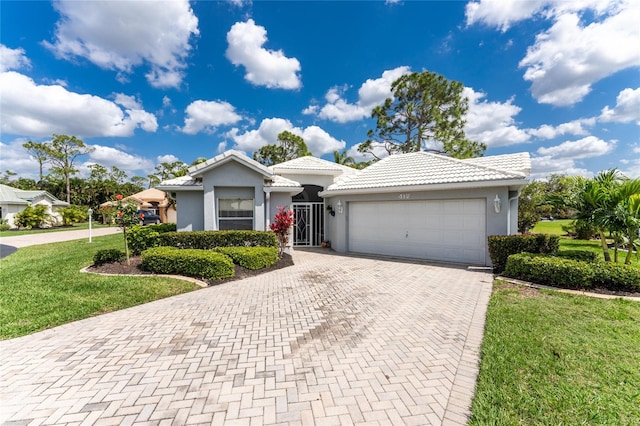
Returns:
<point x="13" y="201"/>
<point x="418" y="205"/>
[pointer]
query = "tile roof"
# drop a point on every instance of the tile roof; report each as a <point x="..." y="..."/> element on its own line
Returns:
<point x="421" y="168"/>
<point x="282" y="182"/>
<point x="226" y="156"/>
<point x="520" y="162"/>
<point x="183" y="181"/>
<point x="311" y="164"/>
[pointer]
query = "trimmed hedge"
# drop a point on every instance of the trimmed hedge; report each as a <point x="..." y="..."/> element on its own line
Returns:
<point x="163" y="227"/>
<point x="251" y="257"/>
<point x="575" y="274"/>
<point x="503" y="246"/>
<point x="585" y="256"/>
<point x="615" y="276"/>
<point x="108" y="256"/>
<point x="191" y="262"/>
<point x="553" y="271"/>
<point x="209" y="240"/>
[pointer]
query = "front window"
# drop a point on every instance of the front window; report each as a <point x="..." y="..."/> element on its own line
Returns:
<point x="235" y="214"/>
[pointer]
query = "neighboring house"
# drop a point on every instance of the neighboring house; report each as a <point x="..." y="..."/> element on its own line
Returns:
<point x="14" y="201"/>
<point x="153" y="200"/>
<point x="417" y="205"/>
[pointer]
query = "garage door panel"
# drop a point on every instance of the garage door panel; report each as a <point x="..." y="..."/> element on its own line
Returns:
<point x="449" y="230"/>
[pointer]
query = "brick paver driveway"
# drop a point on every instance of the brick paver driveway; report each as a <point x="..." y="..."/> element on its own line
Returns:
<point x="331" y="340"/>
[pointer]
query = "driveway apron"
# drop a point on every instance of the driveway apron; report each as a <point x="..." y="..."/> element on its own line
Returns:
<point x="331" y="340"/>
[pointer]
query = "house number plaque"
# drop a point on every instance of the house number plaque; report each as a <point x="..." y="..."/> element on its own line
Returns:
<point x="404" y="196"/>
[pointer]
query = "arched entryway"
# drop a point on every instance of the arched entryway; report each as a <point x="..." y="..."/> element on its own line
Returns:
<point x="308" y="210"/>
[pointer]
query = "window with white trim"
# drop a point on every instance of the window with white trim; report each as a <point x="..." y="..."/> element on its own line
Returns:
<point x="235" y="214"/>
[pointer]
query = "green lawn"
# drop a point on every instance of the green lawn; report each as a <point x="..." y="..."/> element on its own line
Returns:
<point x="550" y="358"/>
<point x="75" y="227"/>
<point x="42" y="286"/>
<point x="567" y="243"/>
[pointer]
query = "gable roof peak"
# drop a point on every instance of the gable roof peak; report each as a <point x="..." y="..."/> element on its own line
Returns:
<point x="225" y="157"/>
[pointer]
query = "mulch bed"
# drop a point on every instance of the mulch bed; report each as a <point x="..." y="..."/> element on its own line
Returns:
<point x="135" y="269"/>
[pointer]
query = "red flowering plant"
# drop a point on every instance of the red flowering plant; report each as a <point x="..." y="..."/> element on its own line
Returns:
<point x="126" y="216"/>
<point x="281" y="226"/>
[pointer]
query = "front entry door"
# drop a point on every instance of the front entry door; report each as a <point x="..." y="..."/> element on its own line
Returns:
<point x="308" y="229"/>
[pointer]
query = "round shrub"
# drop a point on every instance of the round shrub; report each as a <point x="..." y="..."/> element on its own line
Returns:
<point x="251" y="257"/>
<point x="191" y="262"/>
<point x="4" y="227"/>
<point x="140" y="238"/>
<point x="108" y="256"/>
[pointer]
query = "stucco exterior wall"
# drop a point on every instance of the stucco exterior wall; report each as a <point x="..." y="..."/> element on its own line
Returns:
<point x="9" y="212"/>
<point x="496" y="223"/>
<point x="191" y="206"/>
<point x="227" y="176"/>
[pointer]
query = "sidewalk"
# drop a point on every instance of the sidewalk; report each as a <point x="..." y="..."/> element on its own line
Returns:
<point x="9" y="244"/>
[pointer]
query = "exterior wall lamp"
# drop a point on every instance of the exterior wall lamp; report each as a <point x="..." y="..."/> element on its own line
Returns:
<point x="339" y="207"/>
<point x="496" y="204"/>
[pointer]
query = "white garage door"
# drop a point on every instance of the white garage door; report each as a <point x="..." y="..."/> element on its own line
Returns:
<point x="447" y="230"/>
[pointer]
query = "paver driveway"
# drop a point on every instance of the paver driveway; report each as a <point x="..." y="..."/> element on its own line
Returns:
<point x="331" y="340"/>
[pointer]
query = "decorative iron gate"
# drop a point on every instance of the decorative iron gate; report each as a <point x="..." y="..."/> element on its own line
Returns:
<point x="308" y="229"/>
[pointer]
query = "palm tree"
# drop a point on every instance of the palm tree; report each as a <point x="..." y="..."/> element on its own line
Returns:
<point x="343" y="158"/>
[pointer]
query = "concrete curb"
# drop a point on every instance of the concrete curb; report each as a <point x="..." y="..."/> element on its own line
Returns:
<point x="178" y="277"/>
<point x="565" y="290"/>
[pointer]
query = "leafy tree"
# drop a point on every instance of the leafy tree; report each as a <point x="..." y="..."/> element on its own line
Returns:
<point x="39" y="152"/>
<point x="5" y="179"/>
<point x="197" y="161"/>
<point x="289" y="146"/>
<point x="531" y="198"/>
<point x="126" y="216"/>
<point x="426" y="108"/>
<point x="166" y="170"/>
<point x="62" y="152"/>
<point x="343" y="158"/>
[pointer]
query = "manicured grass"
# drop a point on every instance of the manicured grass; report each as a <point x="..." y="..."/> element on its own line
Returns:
<point x="551" y="227"/>
<point x="75" y="227"/>
<point x="567" y="243"/>
<point x="42" y="286"/>
<point x="550" y="358"/>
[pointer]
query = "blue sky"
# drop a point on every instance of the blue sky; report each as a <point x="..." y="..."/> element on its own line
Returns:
<point x="145" y="82"/>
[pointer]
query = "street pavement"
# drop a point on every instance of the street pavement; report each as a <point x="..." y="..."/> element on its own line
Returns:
<point x="9" y="245"/>
<point x="332" y="340"/>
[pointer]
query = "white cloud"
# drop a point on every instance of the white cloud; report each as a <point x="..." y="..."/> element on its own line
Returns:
<point x="18" y="160"/>
<point x="575" y="127"/>
<point x="122" y="35"/>
<point x="542" y="167"/>
<point x="502" y="14"/>
<point x="568" y="58"/>
<point x="127" y="101"/>
<point x="39" y="110"/>
<point x="378" y="150"/>
<point x="318" y="141"/>
<point x="108" y="157"/>
<point x="167" y="158"/>
<point x="207" y="115"/>
<point x="13" y="59"/>
<point x="587" y="147"/>
<point x="627" y="108"/>
<point x="372" y="92"/>
<point x="492" y="123"/>
<point x="563" y="158"/>
<point x="270" y="68"/>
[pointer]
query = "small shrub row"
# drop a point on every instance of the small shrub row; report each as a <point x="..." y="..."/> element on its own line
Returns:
<point x="140" y="238"/>
<point x="503" y="246"/>
<point x="251" y="257"/>
<point x="4" y="226"/>
<point x="584" y="255"/>
<point x="575" y="274"/>
<point x="108" y="256"/>
<point x="209" y="240"/>
<point x="191" y="262"/>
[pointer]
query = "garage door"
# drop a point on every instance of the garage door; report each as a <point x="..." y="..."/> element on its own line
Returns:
<point x="447" y="230"/>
